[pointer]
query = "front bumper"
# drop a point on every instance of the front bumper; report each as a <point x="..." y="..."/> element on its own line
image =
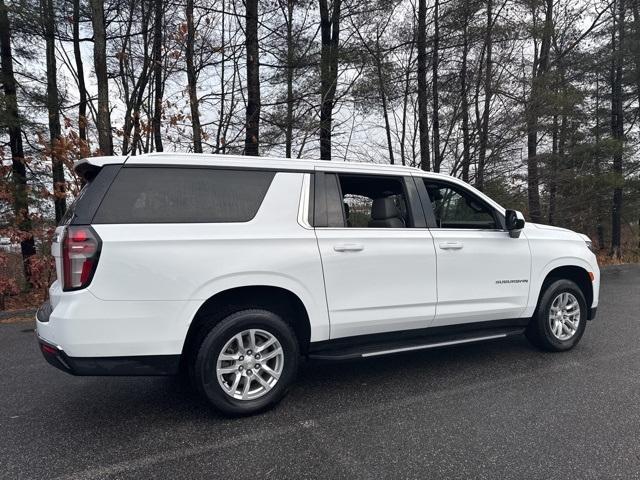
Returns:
<point x="103" y="366"/>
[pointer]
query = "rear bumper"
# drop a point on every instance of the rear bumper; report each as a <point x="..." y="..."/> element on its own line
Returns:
<point x="109" y="366"/>
<point x="87" y="326"/>
<point x="103" y="366"/>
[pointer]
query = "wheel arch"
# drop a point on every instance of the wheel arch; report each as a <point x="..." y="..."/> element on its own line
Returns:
<point x="577" y="274"/>
<point x="280" y="300"/>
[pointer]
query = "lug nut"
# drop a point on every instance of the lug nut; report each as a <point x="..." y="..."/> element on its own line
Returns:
<point x="257" y="356"/>
<point x="248" y="352"/>
<point x="257" y="366"/>
<point x="240" y="368"/>
<point x="241" y="357"/>
<point x="249" y="372"/>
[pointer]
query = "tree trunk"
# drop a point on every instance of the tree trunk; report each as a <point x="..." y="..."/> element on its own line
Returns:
<point x="383" y="99"/>
<point x="82" y="89"/>
<point x="192" y="80"/>
<point x="423" y="114"/>
<point x="103" y="121"/>
<point x="617" y="129"/>
<point x="553" y="168"/>
<point x="252" y="122"/>
<point x="434" y="83"/>
<point x="539" y="71"/>
<point x="122" y="71"/>
<point x="290" y="66"/>
<point x="220" y="141"/>
<point x="53" y="109"/>
<point x="484" y="129"/>
<point x="330" y="35"/>
<point x="635" y="5"/>
<point x="405" y="103"/>
<point x="596" y="160"/>
<point x="466" y="147"/>
<point x="561" y="160"/>
<point x="157" y="70"/>
<point x="136" y="99"/>
<point x="18" y="169"/>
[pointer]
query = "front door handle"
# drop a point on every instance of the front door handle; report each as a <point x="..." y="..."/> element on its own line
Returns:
<point x="451" y="245"/>
<point x="348" y="247"/>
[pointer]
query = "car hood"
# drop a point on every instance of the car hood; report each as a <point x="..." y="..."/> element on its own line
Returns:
<point x="557" y="230"/>
<point x="548" y="227"/>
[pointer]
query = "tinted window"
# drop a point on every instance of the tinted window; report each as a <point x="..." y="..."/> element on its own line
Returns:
<point x="83" y="208"/>
<point x="454" y="207"/>
<point x="71" y="209"/>
<point x="183" y="195"/>
<point x="335" y="212"/>
<point x="367" y="202"/>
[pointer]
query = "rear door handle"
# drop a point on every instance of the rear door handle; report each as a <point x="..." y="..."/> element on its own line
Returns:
<point x="348" y="247"/>
<point x="451" y="245"/>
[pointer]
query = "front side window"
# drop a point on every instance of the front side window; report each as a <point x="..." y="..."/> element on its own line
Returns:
<point x="454" y="207"/>
<point x="355" y="201"/>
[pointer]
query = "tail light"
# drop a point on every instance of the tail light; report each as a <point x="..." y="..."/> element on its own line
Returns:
<point x="80" y="253"/>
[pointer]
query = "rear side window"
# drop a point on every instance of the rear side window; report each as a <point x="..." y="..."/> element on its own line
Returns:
<point x="184" y="195"/>
<point x="70" y="212"/>
<point x="366" y="201"/>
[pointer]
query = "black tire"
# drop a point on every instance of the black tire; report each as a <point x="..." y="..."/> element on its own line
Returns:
<point x="205" y="361"/>
<point x="539" y="331"/>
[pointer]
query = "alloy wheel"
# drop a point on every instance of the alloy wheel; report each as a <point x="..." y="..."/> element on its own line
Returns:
<point x="250" y="364"/>
<point x="564" y="316"/>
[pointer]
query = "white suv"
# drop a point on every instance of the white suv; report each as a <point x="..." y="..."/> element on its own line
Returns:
<point x="229" y="269"/>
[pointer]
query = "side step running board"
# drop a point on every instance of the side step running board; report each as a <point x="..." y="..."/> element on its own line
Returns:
<point x="433" y="345"/>
<point x="359" y="347"/>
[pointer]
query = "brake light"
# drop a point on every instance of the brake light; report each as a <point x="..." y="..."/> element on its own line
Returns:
<point x="80" y="253"/>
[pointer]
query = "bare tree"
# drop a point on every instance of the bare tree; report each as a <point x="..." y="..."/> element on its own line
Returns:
<point x="330" y="37"/>
<point x="252" y="123"/>
<point x="290" y="69"/>
<point x="464" y="93"/>
<point x="488" y="72"/>
<point x="617" y="122"/>
<point x="82" y="89"/>
<point x="158" y="26"/>
<point x="53" y="108"/>
<point x="105" y="140"/>
<point x="423" y="114"/>
<point x="540" y="68"/>
<point x="437" y="159"/>
<point x="192" y="80"/>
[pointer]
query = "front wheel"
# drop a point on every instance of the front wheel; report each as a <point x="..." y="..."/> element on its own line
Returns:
<point x="247" y="362"/>
<point x="560" y="319"/>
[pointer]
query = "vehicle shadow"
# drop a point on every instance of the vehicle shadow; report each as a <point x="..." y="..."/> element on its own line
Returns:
<point x="321" y="387"/>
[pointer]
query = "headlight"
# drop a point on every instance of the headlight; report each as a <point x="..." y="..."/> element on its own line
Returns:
<point x="587" y="241"/>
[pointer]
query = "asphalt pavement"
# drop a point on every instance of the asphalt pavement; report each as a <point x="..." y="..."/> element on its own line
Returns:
<point x="493" y="410"/>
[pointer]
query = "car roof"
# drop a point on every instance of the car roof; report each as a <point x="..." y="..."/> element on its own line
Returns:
<point x="239" y="161"/>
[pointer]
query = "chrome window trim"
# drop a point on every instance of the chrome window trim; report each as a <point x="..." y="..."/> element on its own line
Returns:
<point x="303" y="209"/>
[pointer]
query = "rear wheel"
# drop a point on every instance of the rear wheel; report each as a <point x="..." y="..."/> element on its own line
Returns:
<point x="561" y="317"/>
<point x="246" y="363"/>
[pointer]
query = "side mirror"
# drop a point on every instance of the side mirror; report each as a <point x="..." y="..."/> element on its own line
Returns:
<point x="514" y="221"/>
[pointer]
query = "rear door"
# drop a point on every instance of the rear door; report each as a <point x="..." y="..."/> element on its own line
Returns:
<point x="377" y="255"/>
<point x="483" y="273"/>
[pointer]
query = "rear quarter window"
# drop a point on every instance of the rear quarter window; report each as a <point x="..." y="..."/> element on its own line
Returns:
<point x="183" y="195"/>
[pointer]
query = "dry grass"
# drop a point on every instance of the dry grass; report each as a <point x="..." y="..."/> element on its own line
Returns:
<point x="628" y="256"/>
<point x="17" y="319"/>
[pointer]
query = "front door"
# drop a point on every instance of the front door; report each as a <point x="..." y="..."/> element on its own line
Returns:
<point x="483" y="273"/>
